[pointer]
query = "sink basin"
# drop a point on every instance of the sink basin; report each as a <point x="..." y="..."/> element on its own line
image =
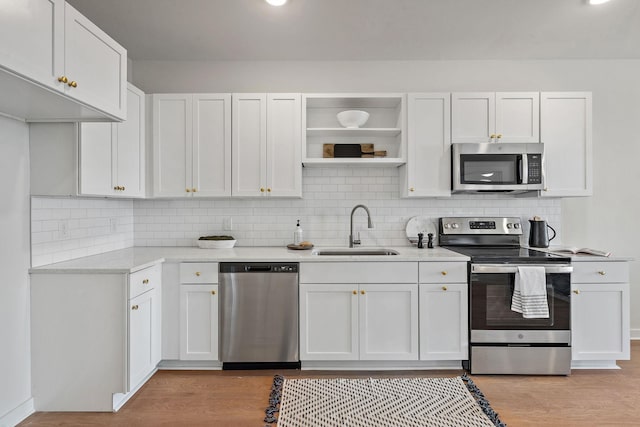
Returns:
<point x="355" y="251"/>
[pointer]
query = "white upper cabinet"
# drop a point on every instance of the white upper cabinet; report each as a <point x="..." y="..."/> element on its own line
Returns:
<point x="112" y="155"/>
<point x="191" y="145"/>
<point x="57" y="65"/>
<point x="95" y="65"/>
<point x="266" y="145"/>
<point x="427" y="172"/>
<point x="566" y="131"/>
<point x="495" y="117"/>
<point x="381" y="138"/>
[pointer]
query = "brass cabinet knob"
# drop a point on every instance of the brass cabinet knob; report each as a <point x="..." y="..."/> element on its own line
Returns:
<point x="116" y="188"/>
<point x="198" y="273"/>
<point x="262" y="189"/>
<point x="268" y="189"/>
<point x="499" y="136"/>
<point x="145" y="281"/>
<point x="602" y="272"/>
<point x="188" y="190"/>
<point x="122" y="188"/>
<point x="134" y="307"/>
<point x="213" y="292"/>
<point x="576" y="291"/>
<point x="63" y="79"/>
<point x="193" y="190"/>
<point x="444" y="273"/>
<point x="355" y="292"/>
<point x="412" y="189"/>
<point x="444" y="288"/>
<point x="493" y="135"/>
<point x="362" y="292"/>
<point x="73" y="84"/>
<point x="545" y="189"/>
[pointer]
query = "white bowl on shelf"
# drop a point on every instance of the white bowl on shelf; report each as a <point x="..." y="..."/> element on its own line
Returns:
<point x="216" y="244"/>
<point x="352" y="119"/>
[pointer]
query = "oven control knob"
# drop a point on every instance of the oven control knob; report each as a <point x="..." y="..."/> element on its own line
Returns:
<point x="455" y="226"/>
<point x="520" y="336"/>
<point x="516" y="225"/>
<point x="447" y="226"/>
<point x="509" y="225"/>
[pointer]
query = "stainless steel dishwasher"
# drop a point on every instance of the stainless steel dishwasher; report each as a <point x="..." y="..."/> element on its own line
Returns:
<point x="258" y="315"/>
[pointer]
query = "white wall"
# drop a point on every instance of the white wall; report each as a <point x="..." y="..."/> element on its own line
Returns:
<point x="15" y="358"/>
<point x="605" y="220"/>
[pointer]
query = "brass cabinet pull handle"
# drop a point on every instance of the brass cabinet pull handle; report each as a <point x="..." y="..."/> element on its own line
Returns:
<point x="444" y="288"/>
<point x="116" y="188"/>
<point x="135" y="307"/>
<point x="63" y="79"/>
<point x="145" y="281"/>
<point x="73" y="84"/>
<point x="213" y="292"/>
<point x="444" y="273"/>
<point x="198" y="273"/>
<point x="602" y="272"/>
<point x="355" y="292"/>
<point x="576" y="291"/>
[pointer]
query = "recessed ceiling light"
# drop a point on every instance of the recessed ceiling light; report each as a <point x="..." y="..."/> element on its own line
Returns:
<point x="598" y="1"/>
<point x="281" y="2"/>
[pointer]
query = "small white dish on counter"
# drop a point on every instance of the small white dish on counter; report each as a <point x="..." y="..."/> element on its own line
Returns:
<point x="216" y="244"/>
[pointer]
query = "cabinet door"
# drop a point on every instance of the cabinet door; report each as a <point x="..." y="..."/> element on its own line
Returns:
<point x="472" y="117"/>
<point x="518" y="116"/>
<point x="284" y="145"/>
<point x="328" y="322"/>
<point x="141" y="352"/>
<point x="198" y="322"/>
<point x="565" y="129"/>
<point x="428" y="169"/>
<point x="31" y="39"/>
<point x="172" y="150"/>
<point x="96" y="157"/>
<point x="388" y="322"/>
<point x="96" y="63"/>
<point x="600" y="321"/>
<point x="443" y="321"/>
<point x="249" y="145"/>
<point x="129" y="167"/>
<point x="212" y="145"/>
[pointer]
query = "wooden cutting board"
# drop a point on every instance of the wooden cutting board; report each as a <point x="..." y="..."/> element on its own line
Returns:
<point x="348" y="150"/>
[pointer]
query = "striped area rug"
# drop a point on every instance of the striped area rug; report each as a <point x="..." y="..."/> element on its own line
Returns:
<point x="411" y="402"/>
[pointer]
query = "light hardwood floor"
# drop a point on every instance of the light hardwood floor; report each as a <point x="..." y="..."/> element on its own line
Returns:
<point x="238" y="398"/>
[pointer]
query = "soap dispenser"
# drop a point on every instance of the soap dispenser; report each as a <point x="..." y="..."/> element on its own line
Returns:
<point x="297" y="235"/>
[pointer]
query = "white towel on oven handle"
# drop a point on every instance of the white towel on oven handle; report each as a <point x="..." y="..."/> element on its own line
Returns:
<point x="530" y="293"/>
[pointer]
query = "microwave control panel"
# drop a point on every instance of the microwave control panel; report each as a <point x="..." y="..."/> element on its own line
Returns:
<point x="534" y="173"/>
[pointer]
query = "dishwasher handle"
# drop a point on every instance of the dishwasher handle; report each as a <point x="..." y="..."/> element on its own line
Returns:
<point x="257" y="268"/>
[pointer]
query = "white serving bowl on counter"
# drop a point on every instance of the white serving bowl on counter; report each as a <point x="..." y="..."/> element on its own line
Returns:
<point x="216" y="244"/>
<point x="352" y="119"/>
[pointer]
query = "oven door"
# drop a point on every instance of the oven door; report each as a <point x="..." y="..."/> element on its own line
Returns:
<point x="491" y="317"/>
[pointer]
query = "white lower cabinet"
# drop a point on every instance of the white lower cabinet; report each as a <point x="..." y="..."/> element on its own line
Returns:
<point x="199" y="311"/>
<point x="358" y="311"/>
<point x="600" y="328"/>
<point x="443" y="311"/>
<point x="95" y="337"/>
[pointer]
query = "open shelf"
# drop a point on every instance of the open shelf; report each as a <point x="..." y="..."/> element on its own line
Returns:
<point x="350" y="132"/>
<point x="354" y="161"/>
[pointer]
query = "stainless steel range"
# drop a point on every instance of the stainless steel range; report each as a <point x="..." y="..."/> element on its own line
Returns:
<point x="501" y="340"/>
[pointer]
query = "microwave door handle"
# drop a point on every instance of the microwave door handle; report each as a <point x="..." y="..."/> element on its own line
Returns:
<point x="523" y="168"/>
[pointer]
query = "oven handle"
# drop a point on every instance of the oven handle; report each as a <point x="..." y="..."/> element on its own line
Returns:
<point x="501" y="268"/>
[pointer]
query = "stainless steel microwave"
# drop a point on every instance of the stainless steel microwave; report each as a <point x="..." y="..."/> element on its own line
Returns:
<point x="497" y="167"/>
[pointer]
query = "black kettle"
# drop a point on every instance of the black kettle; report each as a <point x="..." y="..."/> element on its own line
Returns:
<point x="538" y="235"/>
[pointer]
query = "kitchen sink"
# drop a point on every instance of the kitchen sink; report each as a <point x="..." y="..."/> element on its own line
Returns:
<point x="354" y="251"/>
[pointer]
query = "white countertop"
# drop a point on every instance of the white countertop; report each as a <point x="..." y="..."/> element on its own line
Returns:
<point x="133" y="259"/>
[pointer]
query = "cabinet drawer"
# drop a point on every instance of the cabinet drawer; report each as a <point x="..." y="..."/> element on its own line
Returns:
<point x="600" y="272"/>
<point x="443" y="272"/>
<point x="144" y="280"/>
<point x="359" y="272"/>
<point x="199" y="272"/>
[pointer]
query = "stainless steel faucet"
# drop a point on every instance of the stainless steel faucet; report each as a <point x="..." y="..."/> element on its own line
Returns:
<point x="353" y="241"/>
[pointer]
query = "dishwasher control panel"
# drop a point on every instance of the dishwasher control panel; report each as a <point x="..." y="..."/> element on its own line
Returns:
<point x="258" y="267"/>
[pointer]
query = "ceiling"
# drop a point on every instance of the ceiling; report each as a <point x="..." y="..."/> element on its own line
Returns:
<point x="239" y="30"/>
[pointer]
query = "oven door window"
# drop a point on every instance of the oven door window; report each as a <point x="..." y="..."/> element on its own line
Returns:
<point x="491" y="303"/>
<point x="496" y="169"/>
